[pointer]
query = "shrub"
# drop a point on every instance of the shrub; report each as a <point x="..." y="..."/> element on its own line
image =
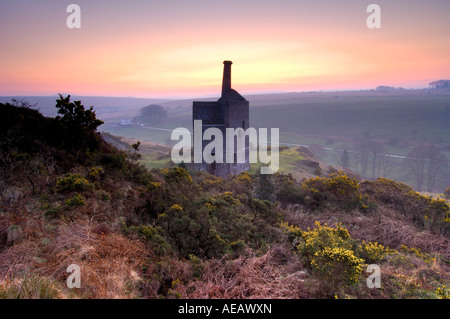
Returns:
<point x="196" y="265"/>
<point x="264" y="187"/>
<point x="51" y="211"/>
<point x="211" y="182"/>
<point x="447" y="193"/>
<point x="73" y="182"/>
<point x="190" y="232"/>
<point x="337" y="266"/>
<point x="177" y="175"/>
<point x="224" y="199"/>
<point x="213" y="225"/>
<point x="153" y="186"/>
<point x="152" y="237"/>
<point x="427" y="258"/>
<point x="236" y="248"/>
<point x="76" y="127"/>
<point x="154" y="201"/>
<point x="176" y="207"/>
<point x="244" y="177"/>
<point x="336" y="189"/>
<point x="75" y="201"/>
<point x="373" y="252"/>
<point x="322" y="236"/>
<point x="115" y="161"/>
<point x="329" y="253"/>
<point x="443" y="292"/>
<point x="288" y="191"/>
<point x="293" y="232"/>
<point x="96" y="173"/>
<point x="240" y="184"/>
<point x="13" y="233"/>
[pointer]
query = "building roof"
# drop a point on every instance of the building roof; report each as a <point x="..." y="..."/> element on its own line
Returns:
<point x="232" y="95"/>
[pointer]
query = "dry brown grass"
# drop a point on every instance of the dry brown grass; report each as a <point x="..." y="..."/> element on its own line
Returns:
<point x="277" y="274"/>
<point x="108" y="262"/>
<point x="19" y="258"/>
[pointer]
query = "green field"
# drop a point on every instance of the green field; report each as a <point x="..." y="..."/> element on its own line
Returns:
<point x="408" y="119"/>
<point x="334" y="117"/>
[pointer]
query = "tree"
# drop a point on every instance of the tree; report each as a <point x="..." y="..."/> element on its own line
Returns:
<point x="428" y="165"/>
<point x="345" y="160"/>
<point x="368" y="153"/>
<point x="386" y="164"/>
<point x="375" y="148"/>
<point x="75" y="128"/>
<point x="152" y="114"/>
<point x="437" y="166"/>
<point x="135" y="155"/>
<point x="441" y="84"/>
<point x="22" y="103"/>
<point x="74" y="114"/>
<point x="136" y="145"/>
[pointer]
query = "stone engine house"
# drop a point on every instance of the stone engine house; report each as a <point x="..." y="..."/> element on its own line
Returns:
<point x="230" y="111"/>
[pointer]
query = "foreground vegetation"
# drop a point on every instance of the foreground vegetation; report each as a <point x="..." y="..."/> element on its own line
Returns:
<point x="176" y="233"/>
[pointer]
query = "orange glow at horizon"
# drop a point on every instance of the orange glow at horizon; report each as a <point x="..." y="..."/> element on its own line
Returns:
<point x="185" y="58"/>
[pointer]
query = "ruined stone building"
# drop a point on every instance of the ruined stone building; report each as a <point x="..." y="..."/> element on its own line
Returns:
<point x="230" y="111"/>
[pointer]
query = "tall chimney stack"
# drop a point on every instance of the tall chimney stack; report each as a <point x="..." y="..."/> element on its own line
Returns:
<point x="226" y="81"/>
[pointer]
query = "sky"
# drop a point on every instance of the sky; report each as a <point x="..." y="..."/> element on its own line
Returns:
<point x="175" y="48"/>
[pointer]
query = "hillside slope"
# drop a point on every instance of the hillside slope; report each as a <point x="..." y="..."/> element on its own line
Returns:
<point x="172" y="232"/>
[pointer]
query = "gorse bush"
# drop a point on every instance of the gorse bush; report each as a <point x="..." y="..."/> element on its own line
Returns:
<point x="337" y="266"/>
<point x="209" y="225"/>
<point x="336" y="189"/>
<point x="288" y="190"/>
<point x="191" y="232"/>
<point x="166" y="188"/>
<point x="264" y="187"/>
<point x="76" y="200"/>
<point x="443" y="292"/>
<point x="373" y="252"/>
<point x="96" y="174"/>
<point x="412" y="251"/>
<point x="73" y="182"/>
<point x="322" y="236"/>
<point x="329" y="252"/>
<point x="177" y="175"/>
<point x="115" y="161"/>
<point x="152" y="236"/>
